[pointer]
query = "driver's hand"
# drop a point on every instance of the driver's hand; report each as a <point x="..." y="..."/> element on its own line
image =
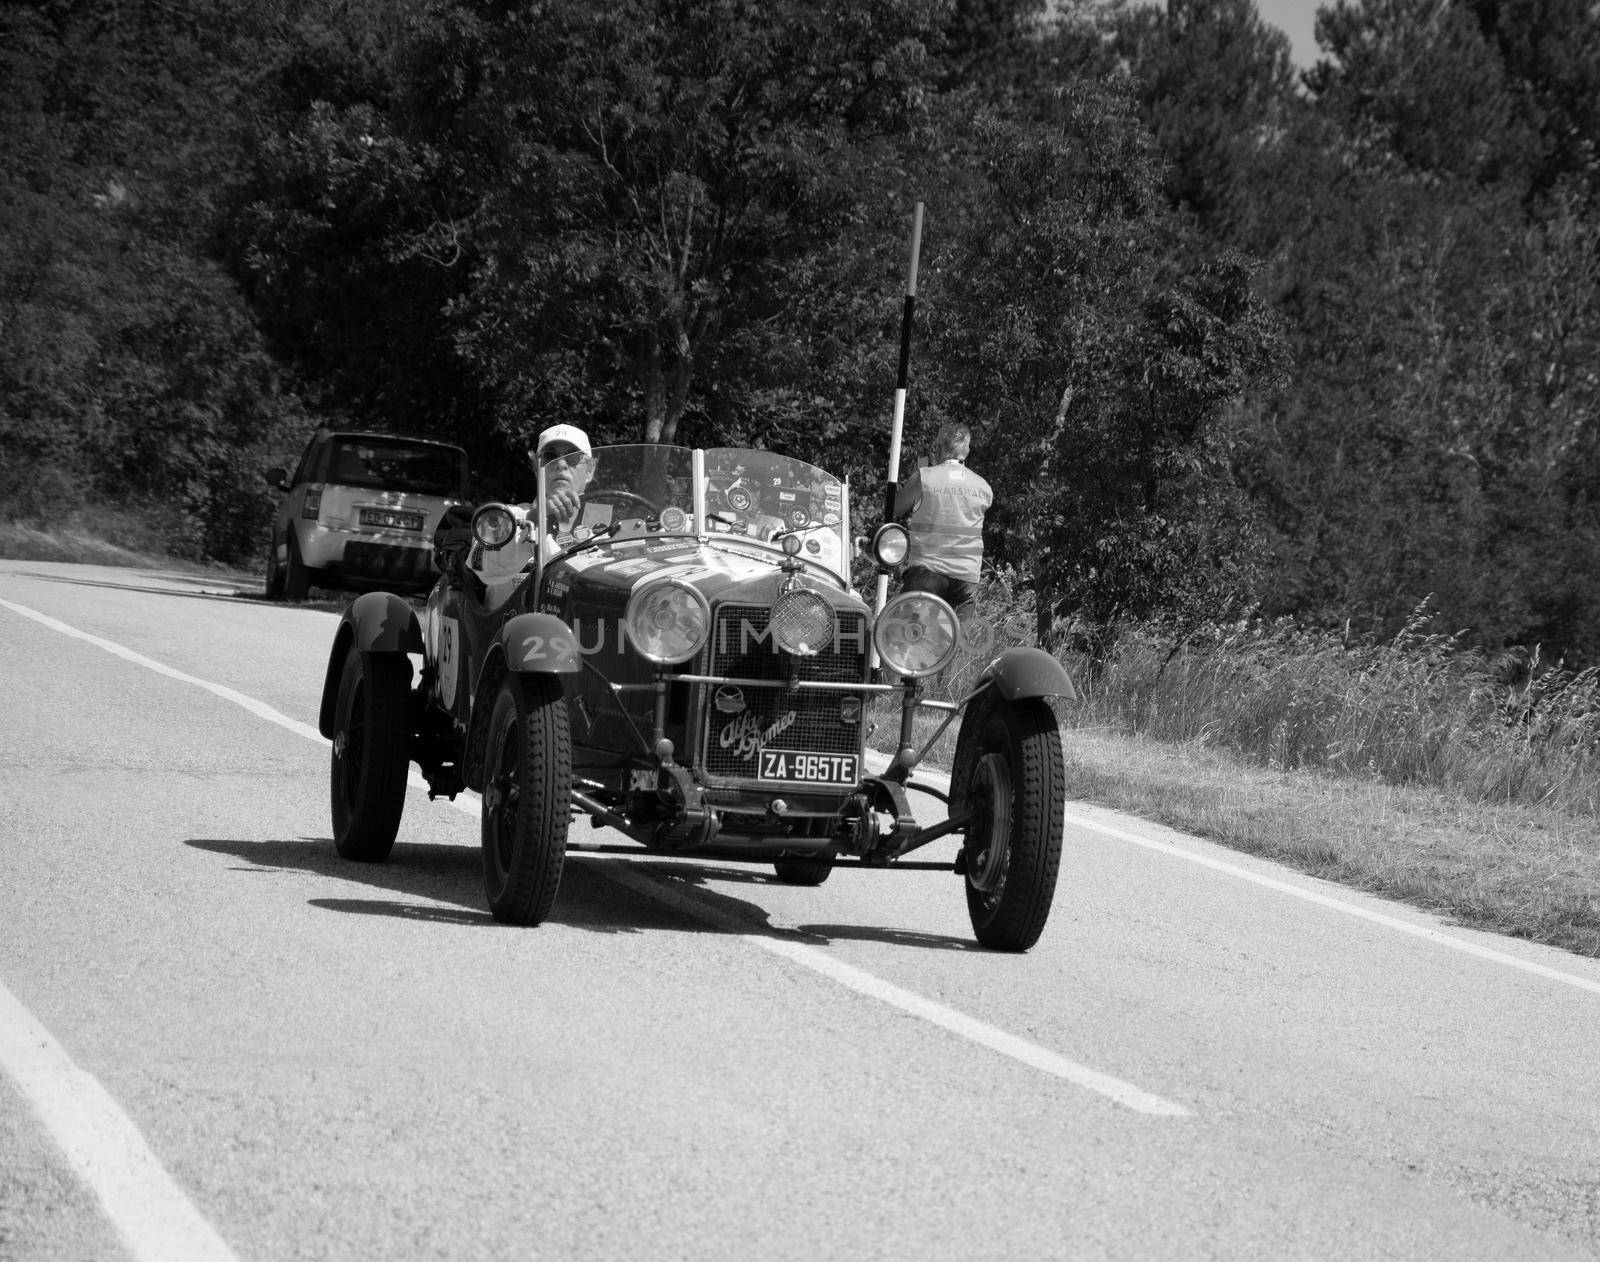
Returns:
<point x="562" y="503"/>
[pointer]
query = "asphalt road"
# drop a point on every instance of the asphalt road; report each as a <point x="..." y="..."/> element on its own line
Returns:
<point x="217" y="1040"/>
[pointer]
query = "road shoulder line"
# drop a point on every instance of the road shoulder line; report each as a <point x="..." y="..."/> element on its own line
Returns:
<point x="147" y="1208"/>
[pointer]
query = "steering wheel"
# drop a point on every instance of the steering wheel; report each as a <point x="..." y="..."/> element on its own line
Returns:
<point x="622" y="499"/>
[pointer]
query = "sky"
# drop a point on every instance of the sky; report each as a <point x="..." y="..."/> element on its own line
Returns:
<point x="1294" y="18"/>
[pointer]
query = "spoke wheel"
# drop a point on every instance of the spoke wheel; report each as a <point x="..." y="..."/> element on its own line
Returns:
<point x="371" y="751"/>
<point x="989" y="838"/>
<point x="527" y="799"/>
<point x="1016" y="787"/>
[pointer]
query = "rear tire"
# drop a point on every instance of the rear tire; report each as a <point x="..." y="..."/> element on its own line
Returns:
<point x="527" y="798"/>
<point x="1016" y="786"/>
<point x="371" y="753"/>
<point x="296" y="574"/>
<point x="803" y="871"/>
<point x="274" y="573"/>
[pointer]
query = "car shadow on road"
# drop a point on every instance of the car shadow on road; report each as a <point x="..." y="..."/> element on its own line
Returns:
<point x="443" y="884"/>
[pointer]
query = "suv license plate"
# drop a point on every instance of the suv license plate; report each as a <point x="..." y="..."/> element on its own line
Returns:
<point x="391" y="520"/>
<point x="791" y="764"/>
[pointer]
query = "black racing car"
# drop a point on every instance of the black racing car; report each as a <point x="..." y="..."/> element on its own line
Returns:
<point x="698" y="677"/>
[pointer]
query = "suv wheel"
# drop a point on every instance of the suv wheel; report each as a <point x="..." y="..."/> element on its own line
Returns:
<point x="296" y="574"/>
<point x="274" y="573"/>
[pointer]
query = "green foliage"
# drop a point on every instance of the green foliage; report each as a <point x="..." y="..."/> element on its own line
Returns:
<point x="1213" y="82"/>
<point x="128" y="367"/>
<point x="1415" y="83"/>
<point x="1550" y="54"/>
<point x="1415" y="709"/>
<point x="1096" y="350"/>
<point x="668" y="191"/>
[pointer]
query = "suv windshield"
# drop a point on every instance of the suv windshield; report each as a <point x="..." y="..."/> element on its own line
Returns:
<point x="748" y="499"/>
<point x="395" y="466"/>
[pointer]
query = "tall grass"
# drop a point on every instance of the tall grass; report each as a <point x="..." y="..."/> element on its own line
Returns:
<point x="1419" y="709"/>
<point x="1416" y="710"/>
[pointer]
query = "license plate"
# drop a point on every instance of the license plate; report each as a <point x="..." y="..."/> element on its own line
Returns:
<point x="391" y="520"/>
<point x="791" y="764"/>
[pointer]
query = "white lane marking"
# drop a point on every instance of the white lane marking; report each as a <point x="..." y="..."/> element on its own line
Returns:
<point x="992" y="1037"/>
<point x="1424" y="932"/>
<point x="997" y="1040"/>
<point x="155" y="1219"/>
<point x="865" y="983"/>
<point x="258" y="708"/>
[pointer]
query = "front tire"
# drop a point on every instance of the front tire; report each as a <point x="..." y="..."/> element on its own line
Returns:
<point x="1016" y="787"/>
<point x="371" y="752"/>
<point x="527" y="798"/>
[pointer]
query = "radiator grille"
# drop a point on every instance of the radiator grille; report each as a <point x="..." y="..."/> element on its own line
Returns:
<point x="823" y="722"/>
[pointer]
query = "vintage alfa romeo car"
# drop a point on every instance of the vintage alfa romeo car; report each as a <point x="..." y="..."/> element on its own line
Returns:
<point x="699" y="677"/>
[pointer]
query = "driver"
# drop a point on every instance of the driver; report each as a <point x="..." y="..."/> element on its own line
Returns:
<point x="569" y="463"/>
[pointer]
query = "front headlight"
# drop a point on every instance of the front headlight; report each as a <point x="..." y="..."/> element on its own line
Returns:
<point x="668" y="621"/>
<point x="493" y="525"/>
<point x="916" y="634"/>
<point x="802" y="622"/>
<point x="889" y="544"/>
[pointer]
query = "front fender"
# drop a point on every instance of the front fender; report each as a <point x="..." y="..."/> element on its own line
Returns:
<point x="1029" y="672"/>
<point x="540" y="643"/>
<point x="376" y="622"/>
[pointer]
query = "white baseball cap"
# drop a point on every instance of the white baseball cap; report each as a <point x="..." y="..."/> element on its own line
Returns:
<point x="569" y="434"/>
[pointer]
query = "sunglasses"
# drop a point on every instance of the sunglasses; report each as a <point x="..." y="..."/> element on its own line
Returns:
<point x="572" y="458"/>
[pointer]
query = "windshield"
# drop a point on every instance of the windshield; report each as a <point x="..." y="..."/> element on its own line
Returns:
<point x="748" y="500"/>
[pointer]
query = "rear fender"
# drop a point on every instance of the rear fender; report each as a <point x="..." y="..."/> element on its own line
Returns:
<point x="539" y="643"/>
<point x="377" y="622"/>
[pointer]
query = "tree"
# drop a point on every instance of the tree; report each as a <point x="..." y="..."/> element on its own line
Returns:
<point x="128" y="367"/>
<point x="1550" y="52"/>
<point x="661" y="187"/>
<point x="1415" y="81"/>
<point x="1097" y="347"/>
<point x="1214" y="85"/>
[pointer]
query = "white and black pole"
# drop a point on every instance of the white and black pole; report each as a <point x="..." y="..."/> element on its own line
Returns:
<point x="892" y="484"/>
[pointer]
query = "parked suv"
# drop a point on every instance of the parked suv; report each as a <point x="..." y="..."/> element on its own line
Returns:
<point x="360" y="511"/>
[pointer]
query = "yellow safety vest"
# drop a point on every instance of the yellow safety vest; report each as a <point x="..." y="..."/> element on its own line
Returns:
<point x="946" y="526"/>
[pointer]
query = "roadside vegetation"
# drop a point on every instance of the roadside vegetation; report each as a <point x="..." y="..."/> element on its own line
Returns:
<point x="1412" y="767"/>
<point x="108" y="535"/>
